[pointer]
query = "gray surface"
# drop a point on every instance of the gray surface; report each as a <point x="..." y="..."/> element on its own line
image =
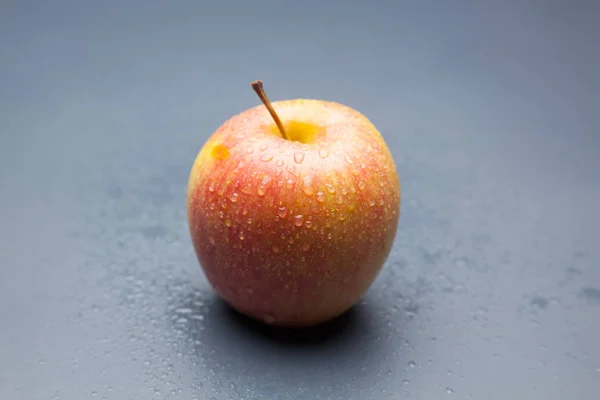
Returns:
<point x="491" y="112"/>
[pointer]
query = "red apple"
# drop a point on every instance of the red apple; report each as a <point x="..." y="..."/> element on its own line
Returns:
<point x="293" y="208"/>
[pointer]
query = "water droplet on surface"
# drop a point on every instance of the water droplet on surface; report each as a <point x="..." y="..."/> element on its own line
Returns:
<point x="198" y="317"/>
<point x="291" y="169"/>
<point x="241" y="235"/>
<point x="323" y="153"/>
<point x="298" y="157"/>
<point x="279" y="163"/>
<point x="269" y="318"/>
<point x="282" y="212"/>
<point x="298" y="220"/>
<point x="306" y="247"/>
<point x="266" y="157"/>
<point x="263" y="147"/>
<point x="234" y="197"/>
<point x="330" y="188"/>
<point x="342" y="217"/>
<point x="184" y="310"/>
<point x="406" y="382"/>
<point x="228" y="222"/>
<point x="211" y="187"/>
<point x="412" y="364"/>
<point x="371" y="202"/>
<point x="348" y="159"/>
<point x="329" y="236"/>
<point x="449" y="390"/>
<point x="221" y="214"/>
<point x="249" y="149"/>
<point x="320" y="196"/>
<point x="308" y="224"/>
<point x="361" y="185"/>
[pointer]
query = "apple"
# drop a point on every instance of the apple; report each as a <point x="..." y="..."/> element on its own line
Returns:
<point x="293" y="208"/>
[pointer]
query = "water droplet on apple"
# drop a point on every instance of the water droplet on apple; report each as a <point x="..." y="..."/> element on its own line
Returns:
<point x="371" y="202"/>
<point x="330" y="188"/>
<point x="278" y="173"/>
<point x="263" y="146"/>
<point x="290" y="183"/>
<point x="307" y="188"/>
<point x="320" y="196"/>
<point x="306" y="247"/>
<point x="279" y="163"/>
<point x="282" y="212"/>
<point x="211" y="187"/>
<point x="233" y="197"/>
<point x="323" y="153"/>
<point x="212" y="206"/>
<point x="269" y="318"/>
<point x="249" y="149"/>
<point x="241" y="235"/>
<point x="221" y="214"/>
<point x="381" y="202"/>
<point x="247" y="188"/>
<point x="276" y="249"/>
<point x="263" y="185"/>
<point x="298" y="157"/>
<point x="298" y="220"/>
<point x="266" y="157"/>
<point x="329" y="236"/>
<point x="339" y="200"/>
<point x="361" y="185"/>
<point x="291" y="169"/>
<point x="342" y="217"/>
<point x="228" y="222"/>
<point x="308" y="224"/>
<point x="348" y="159"/>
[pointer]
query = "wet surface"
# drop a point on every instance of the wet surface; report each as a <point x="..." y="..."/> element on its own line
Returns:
<point x="492" y="289"/>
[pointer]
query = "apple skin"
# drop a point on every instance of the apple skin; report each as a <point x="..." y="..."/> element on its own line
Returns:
<point x="293" y="232"/>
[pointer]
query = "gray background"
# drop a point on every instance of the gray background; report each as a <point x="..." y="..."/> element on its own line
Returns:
<point x="491" y="110"/>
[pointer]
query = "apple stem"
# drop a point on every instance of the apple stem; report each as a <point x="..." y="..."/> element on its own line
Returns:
<point x="258" y="88"/>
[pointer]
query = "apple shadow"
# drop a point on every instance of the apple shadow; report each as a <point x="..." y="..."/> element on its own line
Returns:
<point x="318" y="335"/>
<point x="355" y="351"/>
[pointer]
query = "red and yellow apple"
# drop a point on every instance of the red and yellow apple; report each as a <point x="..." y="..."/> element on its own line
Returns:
<point x="293" y="208"/>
